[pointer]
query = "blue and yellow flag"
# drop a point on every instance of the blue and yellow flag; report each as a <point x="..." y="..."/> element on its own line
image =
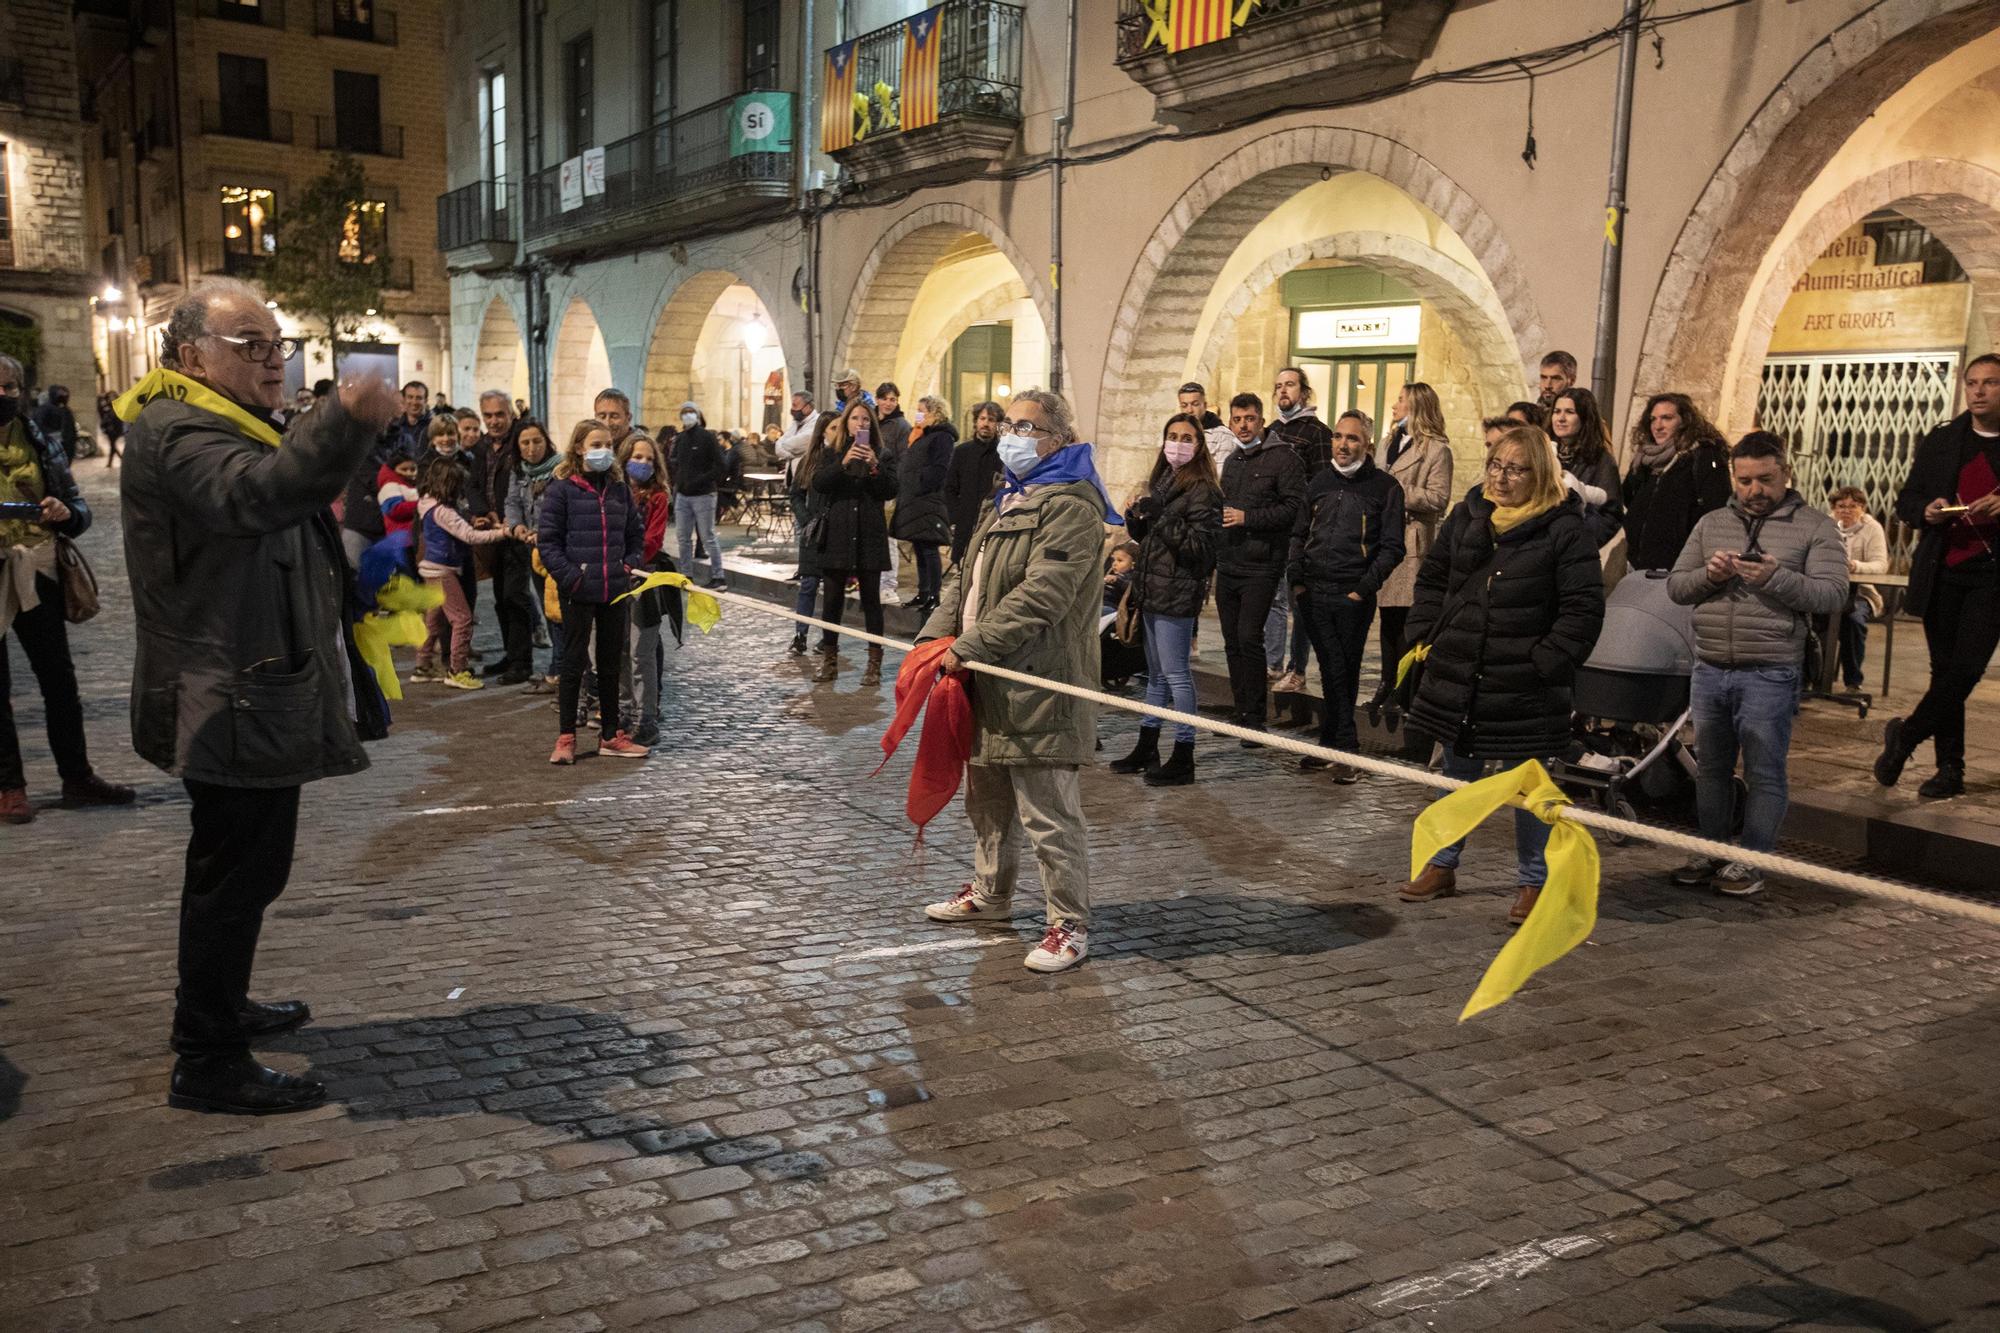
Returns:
<point x="923" y="38"/>
<point x="836" y="119"/>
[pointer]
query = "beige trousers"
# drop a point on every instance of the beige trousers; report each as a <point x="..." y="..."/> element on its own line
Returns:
<point x="1002" y="800"/>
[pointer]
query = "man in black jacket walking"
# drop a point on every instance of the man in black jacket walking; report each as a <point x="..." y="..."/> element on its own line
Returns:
<point x="1263" y="489"/>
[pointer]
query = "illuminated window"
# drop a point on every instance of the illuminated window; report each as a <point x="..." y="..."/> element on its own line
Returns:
<point x="246" y="221"/>
<point x="364" y="235"/>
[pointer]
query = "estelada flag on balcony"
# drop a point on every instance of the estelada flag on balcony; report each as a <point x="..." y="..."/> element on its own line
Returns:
<point x="1198" y="22"/>
<point x="923" y="38"/>
<point x="836" y="108"/>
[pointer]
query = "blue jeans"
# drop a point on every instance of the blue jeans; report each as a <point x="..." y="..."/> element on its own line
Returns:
<point x="694" y="513"/>
<point x="1748" y="709"/>
<point x="1853" y="640"/>
<point x="1168" y="678"/>
<point x="1531" y="835"/>
<point x="804" y="603"/>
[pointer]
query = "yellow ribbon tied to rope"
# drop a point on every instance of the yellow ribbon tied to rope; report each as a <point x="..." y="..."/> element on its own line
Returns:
<point x="1566" y="911"/>
<point x="164" y="383"/>
<point x="397" y="621"/>
<point x="703" y="611"/>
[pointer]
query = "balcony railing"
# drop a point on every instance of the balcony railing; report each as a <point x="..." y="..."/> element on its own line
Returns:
<point x="42" y="250"/>
<point x="264" y="13"/>
<point x="658" y="166"/>
<point x="1137" y="37"/>
<point x="330" y="133"/>
<point x="254" y="123"/>
<point x="379" y="27"/>
<point x="979" y="66"/>
<point x="475" y="214"/>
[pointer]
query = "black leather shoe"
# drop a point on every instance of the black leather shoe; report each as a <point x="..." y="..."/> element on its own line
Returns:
<point x="238" y="1085"/>
<point x="93" y="790"/>
<point x="264" y="1020"/>
<point x="1889" y="764"/>
<point x="1947" y="782"/>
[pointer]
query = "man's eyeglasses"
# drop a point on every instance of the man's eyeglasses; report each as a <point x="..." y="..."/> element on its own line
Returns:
<point x="1509" y="471"/>
<point x="1023" y="428"/>
<point x="260" y="349"/>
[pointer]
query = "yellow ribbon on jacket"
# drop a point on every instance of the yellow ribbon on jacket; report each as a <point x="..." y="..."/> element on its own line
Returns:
<point x="1566" y="911"/>
<point x="703" y="611"/>
<point x="165" y="383"/>
<point x="398" y="620"/>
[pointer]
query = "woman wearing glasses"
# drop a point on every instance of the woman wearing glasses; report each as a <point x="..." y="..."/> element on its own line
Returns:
<point x="1510" y="600"/>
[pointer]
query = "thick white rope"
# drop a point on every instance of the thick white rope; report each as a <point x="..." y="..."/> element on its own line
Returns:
<point x="1789" y="867"/>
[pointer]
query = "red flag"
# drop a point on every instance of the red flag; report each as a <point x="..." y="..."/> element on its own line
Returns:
<point x="945" y="747"/>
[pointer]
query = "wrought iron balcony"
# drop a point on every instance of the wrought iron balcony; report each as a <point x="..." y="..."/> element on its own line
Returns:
<point x="332" y="134"/>
<point x="358" y="21"/>
<point x="978" y="96"/>
<point x="34" y="249"/>
<point x="677" y="173"/>
<point x="1286" y="52"/>
<point x="260" y="123"/>
<point x="475" y="226"/>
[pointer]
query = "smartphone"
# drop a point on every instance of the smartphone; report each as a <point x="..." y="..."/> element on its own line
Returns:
<point x="1750" y="558"/>
<point x="20" y="509"/>
<point x="861" y="438"/>
<point x="1954" y="509"/>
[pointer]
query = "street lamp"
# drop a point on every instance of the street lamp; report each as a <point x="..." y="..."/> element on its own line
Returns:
<point x="112" y="294"/>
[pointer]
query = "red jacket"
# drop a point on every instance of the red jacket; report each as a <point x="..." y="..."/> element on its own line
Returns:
<point x="653" y="513"/>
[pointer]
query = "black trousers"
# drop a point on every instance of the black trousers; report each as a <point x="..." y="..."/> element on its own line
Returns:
<point x="1243" y="603"/>
<point x="512" y="605"/>
<point x="833" y="602"/>
<point x="44" y="636"/>
<point x="1394" y="620"/>
<point x="581" y="623"/>
<point x="238" y="859"/>
<point x="1339" y="628"/>
<point x="1962" y="628"/>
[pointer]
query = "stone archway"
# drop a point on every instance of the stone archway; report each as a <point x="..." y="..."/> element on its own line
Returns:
<point x="669" y="378"/>
<point x="986" y="309"/>
<point x="500" y="360"/>
<point x="580" y="367"/>
<point x="887" y="287"/>
<point x="1491" y="309"/>
<point x="1712" y="273"/>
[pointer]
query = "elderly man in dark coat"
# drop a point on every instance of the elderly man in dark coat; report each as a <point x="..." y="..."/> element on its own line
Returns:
<point x="244" y="684"/>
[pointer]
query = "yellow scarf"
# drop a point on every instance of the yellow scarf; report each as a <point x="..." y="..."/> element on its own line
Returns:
<point x="1505" y="519"/>
<point x="173" y="384"/>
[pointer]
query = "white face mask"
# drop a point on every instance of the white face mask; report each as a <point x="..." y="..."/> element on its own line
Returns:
<point x="1348" y="469"/>
<point x="1018" y="455"/>
<point x="690" y="419"/>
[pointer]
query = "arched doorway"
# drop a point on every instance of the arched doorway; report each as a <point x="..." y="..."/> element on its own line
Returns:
<point x="580" y="368"/>
<point x="716" y="345"/>
<point x="501" y="361"/>
<point x="1364" y="277"/>
<point x="940" y="273"/>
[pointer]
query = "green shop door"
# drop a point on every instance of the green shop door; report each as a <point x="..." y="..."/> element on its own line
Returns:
<point x="979" y="368"/>
<point x="1370" y="384"/>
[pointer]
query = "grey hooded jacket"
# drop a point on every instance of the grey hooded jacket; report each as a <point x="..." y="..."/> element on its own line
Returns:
<point x="1737" y="625"/>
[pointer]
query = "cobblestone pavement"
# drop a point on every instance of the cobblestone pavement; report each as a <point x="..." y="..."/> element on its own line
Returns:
<point x="668" y="1046"/>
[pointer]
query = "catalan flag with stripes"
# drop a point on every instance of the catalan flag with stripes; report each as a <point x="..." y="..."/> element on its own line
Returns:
<point x="1198" y="22"/>
<point x="923" y="37"/>
<point x="836" y="116"/>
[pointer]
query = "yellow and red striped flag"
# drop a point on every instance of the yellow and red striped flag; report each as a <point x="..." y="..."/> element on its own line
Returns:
<point x="836" y="115"/>
<point x="1198" y="22"/>
<point x="923" y="37"/>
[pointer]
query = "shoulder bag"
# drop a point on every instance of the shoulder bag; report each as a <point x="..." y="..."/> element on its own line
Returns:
<point x="79" y="584"/>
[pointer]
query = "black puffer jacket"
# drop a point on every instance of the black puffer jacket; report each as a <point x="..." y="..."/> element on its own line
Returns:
<point x="921" y="514"/>
<point x="1662" y="507"/>
<point x="855" y="536"/>
<point x="1520" y="614"/>
<point x="1605" y="520"/>
<point x="1349" y="535"/>
<point x="697" y="462"/>
<point x="1269" y="486"/>
<point x="1177" y="532"/>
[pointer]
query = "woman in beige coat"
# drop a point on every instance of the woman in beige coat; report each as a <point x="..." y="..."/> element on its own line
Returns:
<point x="1418" y="456"/>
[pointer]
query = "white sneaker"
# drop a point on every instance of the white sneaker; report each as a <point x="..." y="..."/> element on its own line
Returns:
<point x="1738" y="881"/>
<point x="1063" y="946"/>
<point x="968" y="905"/>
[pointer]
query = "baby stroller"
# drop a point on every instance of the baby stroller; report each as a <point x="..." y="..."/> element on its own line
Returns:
<point x="1631" y="701"/>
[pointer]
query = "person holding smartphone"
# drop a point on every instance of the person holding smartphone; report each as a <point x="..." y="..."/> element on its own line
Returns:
<point x="852" y="540"/>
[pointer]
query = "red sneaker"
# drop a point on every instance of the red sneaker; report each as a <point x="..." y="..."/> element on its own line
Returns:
<point x="14" y="807"/>
<point x="622" y="746"/>
<point x="565" y="751"/>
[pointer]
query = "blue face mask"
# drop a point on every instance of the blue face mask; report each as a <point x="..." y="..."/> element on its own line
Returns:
<point x="639" y="470"/>
<point x="1018" y="456"/>
<point x="597" y="460"/>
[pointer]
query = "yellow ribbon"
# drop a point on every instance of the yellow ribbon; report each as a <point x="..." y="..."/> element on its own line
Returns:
<point x="1409" y="662"/>
<point x="1156" y="23"/>
<point x="164" y="383"/>
<point x="703" y="611"/>
<point x="398" y="621"/>
<point x="1611" y="223"/>
<point x="1566" y="911"/>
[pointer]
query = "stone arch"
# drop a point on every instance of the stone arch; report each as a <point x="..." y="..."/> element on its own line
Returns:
<point x="1711" y="273"/>
<point x="988" y="307"/>
<point x="579" y="368"/>
<point x="1147" y="353"/>
<point x="500" y="357"/>
<point x="669" y="378"/>
<point x="885" y="290"/>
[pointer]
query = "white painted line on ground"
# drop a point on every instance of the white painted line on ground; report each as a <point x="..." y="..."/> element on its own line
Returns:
<point x="533" y="805"/>
<point x="935" y="946"/>
<point x="1418" y="1293"/>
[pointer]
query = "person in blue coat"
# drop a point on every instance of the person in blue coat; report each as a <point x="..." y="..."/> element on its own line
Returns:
<point x="592" y="542"/>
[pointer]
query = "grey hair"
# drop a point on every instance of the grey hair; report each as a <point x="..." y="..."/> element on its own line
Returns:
<point x="501" y="394"/>
<point x="1367" y="423"/>
<point x="188" y="320"/>
<point x="805" y="394"/>
<point x="1061" y="421"/>
<point x="935" y="406"/>
<point x="8" y="365"/>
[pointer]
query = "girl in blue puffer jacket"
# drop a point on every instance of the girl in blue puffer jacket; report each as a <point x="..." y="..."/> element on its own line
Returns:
<point x="592" y="541"/>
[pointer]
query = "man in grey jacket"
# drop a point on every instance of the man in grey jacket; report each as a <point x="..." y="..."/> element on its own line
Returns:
<point x="244" y="684"/>
<point x="1760" y="573"/>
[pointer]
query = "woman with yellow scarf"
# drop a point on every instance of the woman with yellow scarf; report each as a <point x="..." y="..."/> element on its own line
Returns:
<point x="1508" y="605"/>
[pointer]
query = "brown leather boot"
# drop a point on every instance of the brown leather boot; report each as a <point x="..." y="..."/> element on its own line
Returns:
<point x="872" y="673"/>
<point x="1434" y="882"/>
<point x="829" y="667"/>
<point x="1524" y="903"/>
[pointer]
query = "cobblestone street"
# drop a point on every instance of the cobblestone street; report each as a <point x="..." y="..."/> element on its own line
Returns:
<point x="670" y="1046"/>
